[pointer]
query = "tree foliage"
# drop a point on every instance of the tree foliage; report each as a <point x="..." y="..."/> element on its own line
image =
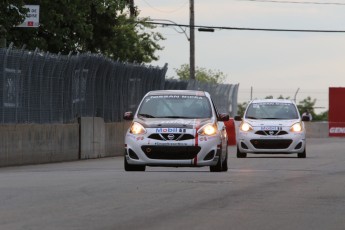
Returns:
<point x="242" y="108"/>
<point x="201" y="74"/>
<point x="307" y="104"/>
<point x="12" y="13"/>
<point x="99" y="26"/>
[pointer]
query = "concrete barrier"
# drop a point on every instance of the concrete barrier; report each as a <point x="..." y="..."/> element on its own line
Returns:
<point x="316" y="129"/>
<point x="115" y="138"/>
<point x="90" y="138"/>
<point x="32" y="144"/>
<point x="99" y="139"/>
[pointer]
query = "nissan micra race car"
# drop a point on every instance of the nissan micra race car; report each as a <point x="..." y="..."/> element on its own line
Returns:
<point x="176" y="128"/>
<point x="271" y="126"/>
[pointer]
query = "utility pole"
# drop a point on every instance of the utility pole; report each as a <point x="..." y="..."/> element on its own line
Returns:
<point x="191" y="41"/>
<point x="295" y="97"/>
<point x="132" y="10"/>
<point x="251" y="93"/>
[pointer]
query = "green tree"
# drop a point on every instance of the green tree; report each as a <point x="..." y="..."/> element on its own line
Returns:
<point x="99" y="26"/>
<point x="241" y="108"/>
<point x="321" y="117"/>
<point x="307" y="104"/>
<point x="12" y="13"/>
<point x="201" y="74"/>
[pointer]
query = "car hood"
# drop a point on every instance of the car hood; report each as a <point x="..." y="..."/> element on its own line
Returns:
<point x="272" y="122"/>
<point x="173" y="123"/>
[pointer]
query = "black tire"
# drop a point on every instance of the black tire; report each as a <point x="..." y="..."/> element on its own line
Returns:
<point x="219" y="166"/>
<point x="302" y="154"/>
<point x="225" y="162"/>
<point x="129" y="167"/>
<point x="239" y="154"/>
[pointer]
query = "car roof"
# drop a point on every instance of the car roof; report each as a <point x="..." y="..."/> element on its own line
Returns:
<point x="178" y="92"/>
<point x="272" y="101"/>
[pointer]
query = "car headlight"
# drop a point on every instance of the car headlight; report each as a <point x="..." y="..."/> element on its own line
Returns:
<point x="297" y="127"/>
<point x="136" y="128"/>
<point x="208" y="130"/>
<point x="245" y="127"/>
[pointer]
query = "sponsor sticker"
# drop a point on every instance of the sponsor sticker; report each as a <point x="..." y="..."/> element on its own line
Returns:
<point x="269" y="128"/>
<point x="171" y="144"/>
<point x="170" y="130"/>
<point x="337" y="130"/>
<point x="203" y="139"/>
<point x="177" y="97"/>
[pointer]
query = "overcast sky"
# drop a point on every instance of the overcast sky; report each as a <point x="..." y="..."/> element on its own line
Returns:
<point x="272" y="63"/>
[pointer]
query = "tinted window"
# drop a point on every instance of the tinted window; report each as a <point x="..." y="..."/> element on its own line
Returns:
<point x="175" y="106"/>
<point x="272" y="111"/>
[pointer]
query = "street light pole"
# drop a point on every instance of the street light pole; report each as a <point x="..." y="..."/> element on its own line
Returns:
<point x="191" y="41"/>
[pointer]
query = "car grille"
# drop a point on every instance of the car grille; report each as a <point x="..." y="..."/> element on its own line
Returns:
<point x="271" y="133"/>
<point x="171" y="152"/>
<point x="171" y="136"/>
<point x="270" y="143"/>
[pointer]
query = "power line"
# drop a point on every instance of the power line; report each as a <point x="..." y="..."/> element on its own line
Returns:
<point x="294" y="2"/>
<point x="249" y="29"/>
<point x="166" y="11"/>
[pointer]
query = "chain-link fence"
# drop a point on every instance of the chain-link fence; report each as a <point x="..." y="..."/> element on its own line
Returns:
<point x="223" y="95"/>
<point x="38" y="87"/>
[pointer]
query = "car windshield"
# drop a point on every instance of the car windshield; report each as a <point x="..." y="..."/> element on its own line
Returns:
<point x="175" y="106"/>
<point x="272" y="110"/>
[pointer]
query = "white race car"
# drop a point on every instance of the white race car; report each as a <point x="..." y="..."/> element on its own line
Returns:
<point x="176" y="128"/>
<point x="271" y="126"/>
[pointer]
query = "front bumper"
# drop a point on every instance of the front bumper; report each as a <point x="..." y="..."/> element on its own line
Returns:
<point x="249" y="142"/>
<point x="145" y="151"/>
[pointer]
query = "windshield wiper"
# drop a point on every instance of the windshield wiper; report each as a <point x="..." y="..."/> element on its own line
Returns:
<point x="251" y="117"/>
<point x="146" y="115"/>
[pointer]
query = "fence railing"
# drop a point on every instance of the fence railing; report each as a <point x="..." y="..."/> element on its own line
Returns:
<point x="38" y="87"/>
<point x="223" y="95"/>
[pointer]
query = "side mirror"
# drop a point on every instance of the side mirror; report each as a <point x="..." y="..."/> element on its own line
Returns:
<point x="223" y="117"/>
<point x="238" y="118"/>
<point x="305" y="118"/>
<point x="128" y="116"/>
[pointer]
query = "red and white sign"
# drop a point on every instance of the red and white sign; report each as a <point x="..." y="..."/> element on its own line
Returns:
<point x="336" y="114"/>
<point x="32" y="17"/>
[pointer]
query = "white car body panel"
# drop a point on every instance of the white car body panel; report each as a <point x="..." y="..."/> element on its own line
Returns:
<point x="271" y="135"/>
<point x="152" y="147"/>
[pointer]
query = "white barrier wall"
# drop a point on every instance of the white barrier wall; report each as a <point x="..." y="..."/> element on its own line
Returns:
<point x="90" y="138"/>
<point x="316" y="129"/>
<point x="31" y="144"/>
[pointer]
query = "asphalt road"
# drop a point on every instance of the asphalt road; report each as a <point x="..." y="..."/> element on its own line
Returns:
<point x="258" y="192"/>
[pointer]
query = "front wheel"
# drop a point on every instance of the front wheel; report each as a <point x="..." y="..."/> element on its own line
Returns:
<point x="225" y="162"/>
<point x="302" y="154"/>
<point x="219" y="166"/>
<point x="239" y="154"/>
<point x="129" y="167"/>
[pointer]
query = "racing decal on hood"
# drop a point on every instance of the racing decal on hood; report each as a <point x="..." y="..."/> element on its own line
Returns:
<point x="270" y="123"/>
<point x="196" y="127"/>
<point x="173" y="123"/>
